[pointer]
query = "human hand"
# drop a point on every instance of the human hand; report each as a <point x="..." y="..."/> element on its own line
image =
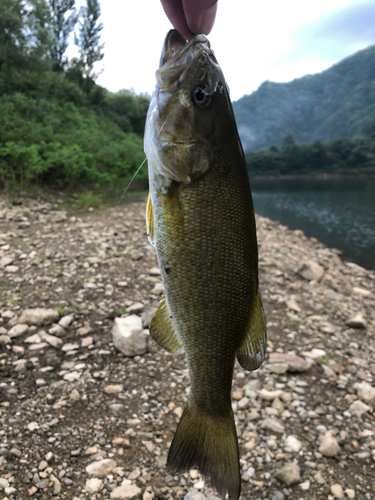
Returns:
<point x="191" y="16"/>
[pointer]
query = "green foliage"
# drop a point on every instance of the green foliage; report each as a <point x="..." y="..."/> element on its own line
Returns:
<point x="58" y="127"/>
<point x="87" y="200"/>
<point x="338" y="102"/>
<point x="343" y="155"/>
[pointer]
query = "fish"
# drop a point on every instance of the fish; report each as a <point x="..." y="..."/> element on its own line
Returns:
<point x="200" y="219"/>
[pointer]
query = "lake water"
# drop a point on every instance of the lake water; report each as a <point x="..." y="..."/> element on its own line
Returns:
<point x="340" y="213"/>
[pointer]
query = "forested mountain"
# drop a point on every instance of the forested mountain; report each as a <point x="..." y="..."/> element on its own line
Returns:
<point x="338" y="102"/>
<point x="57" y="126"/>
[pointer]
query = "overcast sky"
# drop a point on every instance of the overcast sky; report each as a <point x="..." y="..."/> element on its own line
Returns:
<point x="253" y="41"/>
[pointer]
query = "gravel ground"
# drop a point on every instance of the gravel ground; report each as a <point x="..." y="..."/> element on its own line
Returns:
<point x="81" y="420"/>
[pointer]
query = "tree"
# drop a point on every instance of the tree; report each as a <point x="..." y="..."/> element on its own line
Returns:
<point x="12" y="38"/>
<point x="64" y="19"/>
<point x="88" y="39"/>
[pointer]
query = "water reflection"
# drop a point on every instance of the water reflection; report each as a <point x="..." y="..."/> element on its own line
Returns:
<point x="340" y="213"/>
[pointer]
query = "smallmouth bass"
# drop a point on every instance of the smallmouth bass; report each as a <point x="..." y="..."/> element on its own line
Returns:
<point x="200" y="218"/>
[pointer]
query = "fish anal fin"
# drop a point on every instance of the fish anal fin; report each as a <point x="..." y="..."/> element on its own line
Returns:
<point x="163" y="330"/>
<point x="252" y="351"/>
<point x="150" y="221"/>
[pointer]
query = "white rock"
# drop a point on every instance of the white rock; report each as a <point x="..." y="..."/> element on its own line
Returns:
<point x="350" y="493"/>
<point x="70" y="347"/>
<point x="366" y="392"/>
<point x="101" y="468"/>
<point x="39" y="316"/>
<point x="12" y="269"/>
<point x="18" y="330"/>
<point x="51" y="339"/>
<point x="56" y="484"/>
<point x="113" y="389"/>
<point x="289" y="474"/>
<point x="5" y="339"/>
<point x="272" y="425"/>
<point x="358" y="408"/>
<point x="329" y="446"/>
<point x="71" y="376"/>
<point x="292" y="304"/>
<point x="126" y="491"/>
<point x="337" y="491"/>
<point x="269" y="395"/>
<point x="310" y="270"/>
<point x="57" y="330"/>
<point x="128" y="335"/>
<point x="137" y="307"/>
<point x="66" y="320"/>
<point x="357" y="321"/>
<point x="33" y="426"/>
<point x="292" y="443"/>
<point x="93" y="485"/>
<point x="315" y="354"/>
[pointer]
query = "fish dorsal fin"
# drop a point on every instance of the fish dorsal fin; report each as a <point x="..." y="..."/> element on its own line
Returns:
<point x="163" y="330"/>
<point x="150" y="221"/>
<point x="252" y="351"/>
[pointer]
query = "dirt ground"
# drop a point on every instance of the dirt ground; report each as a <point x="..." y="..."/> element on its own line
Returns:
<point x="71" y="401"/>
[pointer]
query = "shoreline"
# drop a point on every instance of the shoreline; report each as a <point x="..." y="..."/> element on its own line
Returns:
<point x="290" y="177"/>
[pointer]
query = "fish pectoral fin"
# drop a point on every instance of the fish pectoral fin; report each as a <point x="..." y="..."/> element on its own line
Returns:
<point x="252" y="351"/>
<point x="163" y="329"/>
<point x="150" y="221"/>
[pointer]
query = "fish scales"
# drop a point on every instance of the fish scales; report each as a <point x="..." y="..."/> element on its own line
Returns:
<point x="200" y="218"/>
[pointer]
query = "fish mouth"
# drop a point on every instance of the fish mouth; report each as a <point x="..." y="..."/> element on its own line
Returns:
<point x="179" y="56"/>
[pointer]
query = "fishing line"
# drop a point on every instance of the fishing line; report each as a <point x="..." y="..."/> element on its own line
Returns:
<point x="37" y="336"/>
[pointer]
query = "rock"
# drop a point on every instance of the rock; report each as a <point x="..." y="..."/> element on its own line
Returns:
<point x="18" y="330"/>
<point x="6" y="261"/>
<point x="135" y="308"/>
<point x="51" y="339"/>
<point x="158" y="289"/>
<point x="357" y="321"/>
<point x="148" y="315"/>
<point x="39" y="316"/>
<point x="269" y="395"/>
<point x="292" y="444"/>
<point x="289" y="474"/>
<point x="12" y="269"/>
<point x="337" y="491"/>
<point x="315" y="353"/>
<point x="329" y="446"/>
<point x="57" y="330"/>
<point x="295" y="363"/>
<point x="74" y="395"/>
<point x="272" y="425"/>
<point x="310" y="270"/>
<point x="56" y="484"/>
<point x="59" y="216"/>
<point x="366" y="393"/>
<point x="125" y="491"/>
<point x="358" y="408"/>
<point x="101" y="468"/>
<point x="5" y="339"/>
<point x="194" y="494"/>
<point x="350" y="493"/>
<point x="93" y="485"/>
<point x="84" y="330"/>
<point x="66" y="320"/>
<point x="278" y="368"/>
<point x="87" y="341"/>
<point x="33" y="426"/>
<point x="128" y="335"/>
<point x="113" y="389"/>
<point x="154" y="271"/>
<point x="292" y="304"/>
<point x="362" y="291"/>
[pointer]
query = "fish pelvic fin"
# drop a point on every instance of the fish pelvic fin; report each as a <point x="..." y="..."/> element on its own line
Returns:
<point x="252" y="351"/>
<point x="208" y="443"/>
<point x="150" y="221"/>
<point x="163" y="329"/>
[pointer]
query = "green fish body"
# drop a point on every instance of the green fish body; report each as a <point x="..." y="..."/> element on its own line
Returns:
<point x="200" y="219"/>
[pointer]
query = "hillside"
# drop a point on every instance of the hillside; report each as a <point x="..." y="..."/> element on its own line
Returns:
<point x="338" y="102"/>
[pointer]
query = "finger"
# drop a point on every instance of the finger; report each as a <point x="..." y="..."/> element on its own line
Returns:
<point x="200" y="15"/>
<point x="175" y="13"/>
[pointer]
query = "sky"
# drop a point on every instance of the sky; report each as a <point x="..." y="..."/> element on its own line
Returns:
<point x="253" y="41"/>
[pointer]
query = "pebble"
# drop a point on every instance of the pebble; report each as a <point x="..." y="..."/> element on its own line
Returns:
<point x="311" y="270"/>
<point x="289" y="473"/>
<point x="329" y="446"/>
<point x="113" y="389"/>
<point x="358" y="408"/>
<point x="101" y="468"/>
<point x="357" y="321"/>
<point x="125" y="491"/>
<point x="337" y="491"/>
<point x="18" y="330"/>
<point x="93" y="485"/>
<point x="39" y="316"/>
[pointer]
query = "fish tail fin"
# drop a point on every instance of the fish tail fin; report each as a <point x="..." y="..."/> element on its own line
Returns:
<point x="210" y="444"/>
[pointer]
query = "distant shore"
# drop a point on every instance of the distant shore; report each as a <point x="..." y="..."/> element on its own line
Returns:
<point x="290" y="177"/>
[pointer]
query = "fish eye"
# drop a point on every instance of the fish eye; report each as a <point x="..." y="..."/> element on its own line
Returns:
<point x="200" y="98"/>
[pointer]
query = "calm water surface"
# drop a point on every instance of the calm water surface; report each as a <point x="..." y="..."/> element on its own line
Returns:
<point x="340" y="213"/>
